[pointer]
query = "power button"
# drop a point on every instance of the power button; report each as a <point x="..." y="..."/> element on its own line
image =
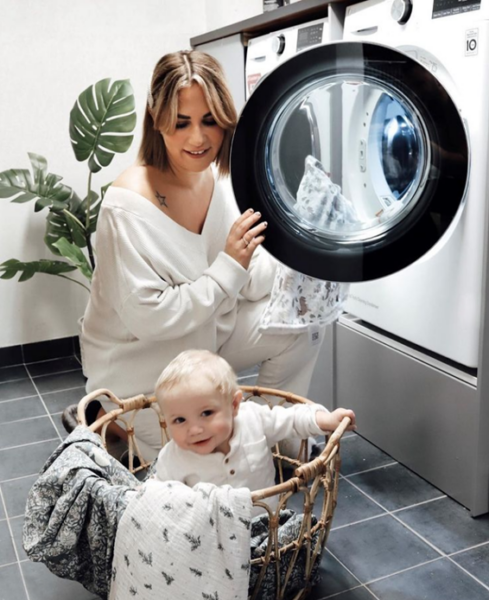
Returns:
<point x="401" y="10"/>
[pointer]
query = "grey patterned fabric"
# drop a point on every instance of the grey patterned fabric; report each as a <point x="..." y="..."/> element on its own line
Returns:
<point x="289" y="527"/>
<point x="75" y="506"/>
<point x="73" y="511"/>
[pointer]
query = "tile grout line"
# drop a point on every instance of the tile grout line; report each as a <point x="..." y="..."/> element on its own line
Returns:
<point x="30" y="444"/>
<point x="391" y="464"/>
<point x="45" y="407"/>
<point x="467" y="572"/>
<point x="52" y="374"/>
<point x="14" y="545"/>
<point x="361" y="585"/>
<point x="26" y="419"/>
<point x="467" y="549"/>
<point x="413" y="568"/>
<point x="357" y="587"/>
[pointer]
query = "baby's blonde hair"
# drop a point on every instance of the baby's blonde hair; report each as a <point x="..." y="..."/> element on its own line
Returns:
<point x="189" y="363"/>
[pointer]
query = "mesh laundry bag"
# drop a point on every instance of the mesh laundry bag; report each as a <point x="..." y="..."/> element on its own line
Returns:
<point x="288" y="540"/>
<point x="298" y="301"/>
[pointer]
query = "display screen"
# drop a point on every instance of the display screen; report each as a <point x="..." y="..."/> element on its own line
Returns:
<point x="446" y="8"/>
<point x="309" y="36"/>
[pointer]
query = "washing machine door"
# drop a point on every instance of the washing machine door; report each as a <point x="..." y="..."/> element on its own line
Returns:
<point x="357" y="158"/>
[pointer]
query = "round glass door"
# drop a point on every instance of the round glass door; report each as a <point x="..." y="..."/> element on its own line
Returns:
<point x="357" y="158"/>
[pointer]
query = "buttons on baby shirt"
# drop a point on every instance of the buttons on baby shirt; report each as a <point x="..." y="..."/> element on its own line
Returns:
<point x="232" y="472"/>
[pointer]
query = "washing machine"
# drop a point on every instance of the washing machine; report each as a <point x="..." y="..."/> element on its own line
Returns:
<point x="436" y="302"/>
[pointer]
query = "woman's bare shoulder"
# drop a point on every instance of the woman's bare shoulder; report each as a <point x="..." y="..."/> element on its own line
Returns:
<point x="134" y="179"/>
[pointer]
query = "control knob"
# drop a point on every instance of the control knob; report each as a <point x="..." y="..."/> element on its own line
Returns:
<point x="401" y="10"/>
<point x="278" y="44"/>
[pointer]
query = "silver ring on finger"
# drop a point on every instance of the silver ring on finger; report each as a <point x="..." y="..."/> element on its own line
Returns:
<point x="247" y="243"/>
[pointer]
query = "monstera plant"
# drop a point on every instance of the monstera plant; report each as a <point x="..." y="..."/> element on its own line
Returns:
<point x="101" y="124"/>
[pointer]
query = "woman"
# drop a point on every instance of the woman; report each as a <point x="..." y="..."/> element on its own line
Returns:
<point x="178" y="267"/>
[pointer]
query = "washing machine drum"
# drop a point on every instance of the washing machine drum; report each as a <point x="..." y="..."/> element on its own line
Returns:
<point x="357" y="158"/>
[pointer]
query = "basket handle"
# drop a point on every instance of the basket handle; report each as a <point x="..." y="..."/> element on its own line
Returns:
<point x="311" y="469"/>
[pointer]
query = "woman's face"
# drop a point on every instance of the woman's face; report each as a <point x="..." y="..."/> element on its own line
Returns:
<point x="197" y="138"/>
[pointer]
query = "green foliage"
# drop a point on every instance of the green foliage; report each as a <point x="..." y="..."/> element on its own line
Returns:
<point x="101" y="124"/>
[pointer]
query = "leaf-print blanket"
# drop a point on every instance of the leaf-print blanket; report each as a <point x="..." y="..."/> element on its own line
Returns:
<point x="182" y="543"/>
<point x="74" y="508"/>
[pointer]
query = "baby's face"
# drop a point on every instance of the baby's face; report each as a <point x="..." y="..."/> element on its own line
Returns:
<point x="199" y="418"/>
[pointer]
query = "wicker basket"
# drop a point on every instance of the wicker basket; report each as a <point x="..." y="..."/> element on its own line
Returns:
<point x="308" y="480"/>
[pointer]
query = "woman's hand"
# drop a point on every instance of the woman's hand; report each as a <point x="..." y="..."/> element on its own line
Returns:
<point x="244" y="237"/>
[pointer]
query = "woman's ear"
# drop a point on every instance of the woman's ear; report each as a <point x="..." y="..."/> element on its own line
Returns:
<point x="238" y="396"/>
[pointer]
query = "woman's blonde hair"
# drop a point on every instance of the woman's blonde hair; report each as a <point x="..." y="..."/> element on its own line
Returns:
<point x="190" y="363"/>
<point x="172" y="73"/>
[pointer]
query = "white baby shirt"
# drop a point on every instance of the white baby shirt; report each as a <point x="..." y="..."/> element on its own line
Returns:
<point x="249" y="462"/>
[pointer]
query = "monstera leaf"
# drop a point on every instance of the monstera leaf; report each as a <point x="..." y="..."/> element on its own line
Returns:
<point x="13" y="266"/>
<point x="101" y="122"/>
<point x="70" y="222"/>
<point x="43" y="187"/>
<point x="75" y="256"/>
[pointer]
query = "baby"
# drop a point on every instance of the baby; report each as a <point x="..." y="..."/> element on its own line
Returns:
<point x="216" y="440"/>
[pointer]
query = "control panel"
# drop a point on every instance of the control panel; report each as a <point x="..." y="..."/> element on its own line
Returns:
<point x="447" y="8"/>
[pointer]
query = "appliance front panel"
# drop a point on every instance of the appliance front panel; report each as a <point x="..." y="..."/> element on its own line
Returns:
<point x="436" y="303"/>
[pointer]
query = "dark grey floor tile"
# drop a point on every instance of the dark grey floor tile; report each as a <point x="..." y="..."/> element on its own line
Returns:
<point x="377" y="548"/>
<point x="12" y="587"/>
<point x="17" y="524"/>
<point x="476" y="561"/>
<point x="43" y="585"/>
<point x="17" y="389"/>
<point x="353" y="506"/>
<point x="57" y="401"/>
<point x="27" y="431"/>
<point x="7" y="553"/>
<point x="334" y="578"/>
<point x="57" y="365"/>
<point x="359" y="593"/>
<point x="15" y="494"/>
<point x="359" y="455"/>
<point x="13" y="373"/>
<point x="60" y="381"/>
<point x="447" y="525"/>
<point x="395" y="487"/>
<point x="23" y="408"/>
<point x="59" y="425"/>
<point x="25" y="460"/>
<point x="440" y="580"/>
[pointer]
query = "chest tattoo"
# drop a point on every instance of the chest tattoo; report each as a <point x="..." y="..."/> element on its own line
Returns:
<point x="161" y="199"/>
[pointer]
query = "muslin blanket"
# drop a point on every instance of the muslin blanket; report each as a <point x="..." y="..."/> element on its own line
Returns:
<point x="182" y="543"/>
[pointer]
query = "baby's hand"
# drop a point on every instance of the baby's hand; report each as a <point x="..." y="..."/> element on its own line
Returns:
<point x="329" y="421"/>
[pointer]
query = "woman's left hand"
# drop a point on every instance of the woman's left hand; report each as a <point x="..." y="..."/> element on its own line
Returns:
<point x="245" y="236"/>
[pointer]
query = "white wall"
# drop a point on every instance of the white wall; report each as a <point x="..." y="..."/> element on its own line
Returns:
<point x="220" y="13"/>
<point x="50" y="51"/>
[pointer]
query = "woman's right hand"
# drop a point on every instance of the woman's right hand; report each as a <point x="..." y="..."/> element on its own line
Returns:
<point x="245" y="236"/>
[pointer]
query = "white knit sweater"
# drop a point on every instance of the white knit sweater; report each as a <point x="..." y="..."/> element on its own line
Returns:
<point x="159" y="289"/>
